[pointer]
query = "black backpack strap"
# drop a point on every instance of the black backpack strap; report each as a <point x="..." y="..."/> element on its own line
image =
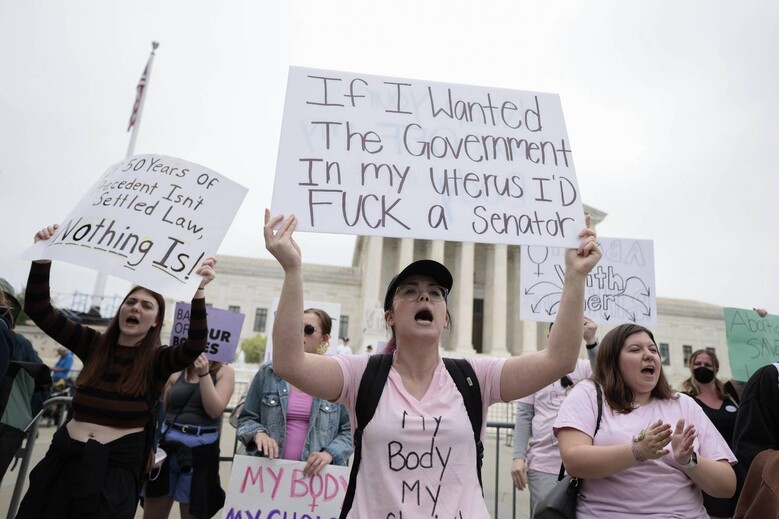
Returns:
<point x="371" y="387"/>
<point x="599" y="394"/>
<point x="467" y="384"/>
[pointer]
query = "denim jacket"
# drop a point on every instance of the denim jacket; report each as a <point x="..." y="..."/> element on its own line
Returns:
<point x="266" y="410"/>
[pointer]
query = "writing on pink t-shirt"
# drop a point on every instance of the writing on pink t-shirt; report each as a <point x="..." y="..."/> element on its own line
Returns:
<point x="298" y="416"/>
<point x="656" y="488"/>
<point x="418" y="456"/>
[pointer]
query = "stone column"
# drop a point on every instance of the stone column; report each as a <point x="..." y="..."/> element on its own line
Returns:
<point x="461" y="302"/>
<point x="495" y="301"/>
<point x="405" y="253"/>
<point x="514" y="325"/>
<point x="435" y="250"/>
<point x="373" y="292"/>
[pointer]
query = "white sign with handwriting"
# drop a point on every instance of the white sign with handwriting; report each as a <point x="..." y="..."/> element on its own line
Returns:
<point x="150" y="219"/>
<point x="374" y="155"/>
<point x="620" y="289"/>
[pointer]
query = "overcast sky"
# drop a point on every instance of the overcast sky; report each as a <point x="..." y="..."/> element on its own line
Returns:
<point x="671" y="109"/>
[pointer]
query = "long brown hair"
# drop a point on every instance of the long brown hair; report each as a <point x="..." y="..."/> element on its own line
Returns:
<point x="691" y="388"/>
<point x="606" y="370"/>
<point x="134" y="381"/>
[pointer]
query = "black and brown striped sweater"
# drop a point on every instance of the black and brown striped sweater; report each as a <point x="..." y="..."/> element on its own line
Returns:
<point x="102" y="403"/>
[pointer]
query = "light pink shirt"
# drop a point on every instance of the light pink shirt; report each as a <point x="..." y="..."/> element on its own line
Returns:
<point x="418" y="456"/>
<point x="298" y="416"/>
<point x="652" y="489"/>
<point x="543" y="453"/>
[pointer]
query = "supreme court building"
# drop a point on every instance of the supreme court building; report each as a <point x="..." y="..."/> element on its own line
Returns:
<point x="484" y="303"/>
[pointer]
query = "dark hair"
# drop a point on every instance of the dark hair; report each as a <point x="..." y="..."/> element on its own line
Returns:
<point x="689" y="386"/>
<point x="606" y="370"/>
<point x="324" y="318"/>
<point x="133" y="381"/>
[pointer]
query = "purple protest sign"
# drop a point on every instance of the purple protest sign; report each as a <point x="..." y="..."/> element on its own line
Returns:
<point x="224" y="331"/>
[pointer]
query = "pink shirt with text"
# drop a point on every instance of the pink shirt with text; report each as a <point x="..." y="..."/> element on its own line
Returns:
<point x="419" y="457"/>
<point x="653" y="489"/>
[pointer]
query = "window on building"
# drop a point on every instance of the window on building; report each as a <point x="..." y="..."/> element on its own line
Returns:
<point x="234" y="308"/>
<point x="664" y="354"/>
<point x="260" y="318"/>
<point x="687" y="351"/>
<point x="343" y="327"/>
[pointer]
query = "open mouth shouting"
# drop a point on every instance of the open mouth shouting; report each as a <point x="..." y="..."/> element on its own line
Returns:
<point x="424" y="316"/>
<point x="649" y="371"/>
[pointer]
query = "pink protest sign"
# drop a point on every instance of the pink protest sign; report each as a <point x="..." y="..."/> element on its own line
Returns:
<point x="260" y="487"/>
<point x="224" y="331"/>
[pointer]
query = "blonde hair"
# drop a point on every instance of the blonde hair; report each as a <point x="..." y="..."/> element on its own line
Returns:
<point x="691" y="388"/>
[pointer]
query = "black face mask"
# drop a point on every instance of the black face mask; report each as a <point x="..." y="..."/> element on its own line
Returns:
<point x="703" y="375"/>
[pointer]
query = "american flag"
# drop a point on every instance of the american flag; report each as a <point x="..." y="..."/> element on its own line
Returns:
<point x="139" y="94"/>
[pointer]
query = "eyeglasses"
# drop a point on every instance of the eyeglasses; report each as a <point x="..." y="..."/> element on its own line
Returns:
<point x="412" y="292"/>
<point x="309" y="330"/>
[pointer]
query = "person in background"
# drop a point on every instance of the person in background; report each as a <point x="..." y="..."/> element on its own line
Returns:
<point x="369" y="349"/>
<point x="7" y="342"/>
<point x="721" y="408"/>
<point x="281" y="421"/>
<point x="61" y="370"/>
<point x="194" y="402"/>
<point x="344" y="349"/>
<point x="420" y="402"/>
<point x="94" y="465"/>
<point x="655" y="449"/>
<point x="536" y="455"/>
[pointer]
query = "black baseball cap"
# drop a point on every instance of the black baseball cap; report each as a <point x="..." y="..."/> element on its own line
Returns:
<point x="425" y="267"/>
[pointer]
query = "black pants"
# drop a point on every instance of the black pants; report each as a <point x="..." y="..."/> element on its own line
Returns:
<point x="86" y="480"/>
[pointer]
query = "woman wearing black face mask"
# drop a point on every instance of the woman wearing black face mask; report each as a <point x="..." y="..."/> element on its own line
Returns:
<point x="720" y="407"/>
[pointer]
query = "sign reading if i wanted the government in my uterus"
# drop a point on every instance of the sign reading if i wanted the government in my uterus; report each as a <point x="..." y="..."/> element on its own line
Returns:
<point x="373" y="155"/>
<point x="149" y="219"/>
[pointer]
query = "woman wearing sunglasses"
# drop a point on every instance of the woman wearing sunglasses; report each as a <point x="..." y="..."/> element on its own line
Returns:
<point x="281" y="421"/>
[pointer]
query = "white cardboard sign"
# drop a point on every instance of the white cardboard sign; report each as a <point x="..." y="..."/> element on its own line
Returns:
<point x="374" y="155"/>
<point x="261" y="488"/>
<point x="620" y="289"/>
<point x="150" y="219"/>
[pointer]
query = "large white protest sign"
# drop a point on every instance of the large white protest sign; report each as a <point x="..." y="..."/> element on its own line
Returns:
<point x="332" y="309"/>
<point x="620" y="289"/>
<point x="261" y="488"/>
<point x="373" y="155"/>
<point x="149" y="219"/>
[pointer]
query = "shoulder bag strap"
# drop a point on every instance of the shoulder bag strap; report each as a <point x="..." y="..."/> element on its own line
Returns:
<point x="467" y="384"/>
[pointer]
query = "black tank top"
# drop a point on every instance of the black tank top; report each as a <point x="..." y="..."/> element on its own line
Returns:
<point x="184" y="400"/>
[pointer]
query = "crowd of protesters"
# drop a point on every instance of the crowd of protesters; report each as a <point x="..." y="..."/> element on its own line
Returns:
<point x="636" y="445"/>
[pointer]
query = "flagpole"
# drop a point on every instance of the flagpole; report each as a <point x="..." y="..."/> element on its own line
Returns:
<point x="135" y="123"/>
<point x="135" y="119"/>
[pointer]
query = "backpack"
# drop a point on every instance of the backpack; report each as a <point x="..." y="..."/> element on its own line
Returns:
<point x="371" y="387"/>
<point x="20" y="382"/>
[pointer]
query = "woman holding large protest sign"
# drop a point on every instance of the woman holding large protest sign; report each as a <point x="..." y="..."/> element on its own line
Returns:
<point x="420" y="446"/>
<point x="281" y="421"/>
<point x="94" y="465"/>
<point x="194" y="402"/>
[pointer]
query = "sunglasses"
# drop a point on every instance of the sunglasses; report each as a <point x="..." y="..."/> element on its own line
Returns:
<point x="309" y="330"/>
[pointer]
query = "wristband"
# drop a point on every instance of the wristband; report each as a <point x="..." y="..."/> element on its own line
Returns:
<point x="591" y="346"/>
<point x="201" y="376"/>
<point x="637" y="453"/>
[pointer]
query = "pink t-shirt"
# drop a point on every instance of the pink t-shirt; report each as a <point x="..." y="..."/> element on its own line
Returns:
<point x="655" y="488"/>
<point x="418" y="456"/>
<point x="543" y="453"/>
<point x="298" y="416"/>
